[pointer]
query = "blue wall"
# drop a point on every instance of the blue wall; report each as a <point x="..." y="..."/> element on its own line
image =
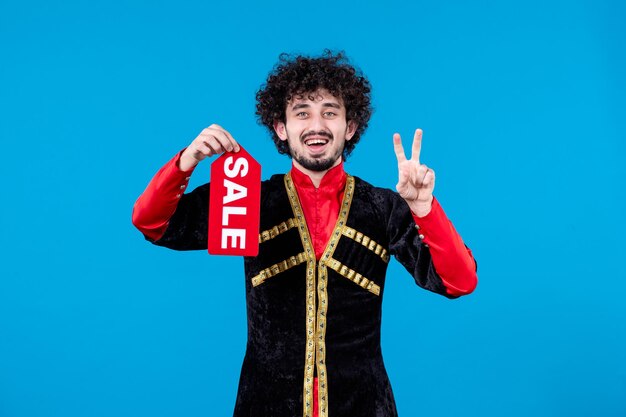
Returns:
<point x="523" y="110"/>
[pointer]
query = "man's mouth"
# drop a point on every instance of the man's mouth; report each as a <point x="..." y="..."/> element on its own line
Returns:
<point x="316" y="142"/>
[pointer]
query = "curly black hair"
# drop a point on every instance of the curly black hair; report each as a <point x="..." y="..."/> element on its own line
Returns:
<point x="300" y="75"/>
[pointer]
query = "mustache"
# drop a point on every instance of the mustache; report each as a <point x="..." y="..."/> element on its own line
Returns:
<point x="320" y="133"/>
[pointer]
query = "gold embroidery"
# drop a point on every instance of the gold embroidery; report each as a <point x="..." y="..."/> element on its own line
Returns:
<point x="322" y="293"/>
<point x="367" y="242"/>
<point x="316" y="324"/>
<point x="352" y="275"/>
<point x="268" y="234"/>
<point x="309" y="359"/>
<point x="278" y="268"/>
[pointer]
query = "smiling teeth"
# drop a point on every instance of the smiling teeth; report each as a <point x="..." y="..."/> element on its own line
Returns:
<point x="316" y="142"/>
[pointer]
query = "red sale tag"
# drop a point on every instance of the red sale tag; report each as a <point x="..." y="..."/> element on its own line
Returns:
<point x="234" y="205"/>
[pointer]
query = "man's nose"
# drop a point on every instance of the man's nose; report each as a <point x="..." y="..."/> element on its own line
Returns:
<point x="317" y="123"/>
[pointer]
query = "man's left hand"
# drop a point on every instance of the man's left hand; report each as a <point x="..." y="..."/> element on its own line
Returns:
<point x="416" y="181"/>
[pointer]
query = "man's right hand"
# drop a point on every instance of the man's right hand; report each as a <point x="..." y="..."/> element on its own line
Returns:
<point x="211" y="141"/>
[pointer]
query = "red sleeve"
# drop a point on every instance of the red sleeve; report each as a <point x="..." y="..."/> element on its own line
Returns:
<point x="154" y="208"/>
<point x="453" y="261"/>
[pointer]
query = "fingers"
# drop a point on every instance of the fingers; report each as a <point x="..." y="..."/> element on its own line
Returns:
<point x="209" y="146"/>
<point x="424" y="176"/>
<point x="228" y="135"/>
<point x="205" y="149"/>
<point x="402" y="187"/>
<point x="213" y="140"/>
<point x="416" y="181"/>
<point x="415" y="150"/>
<point x="419" y="176"/>
<point x="218" y="139"/>
<point x="398" y="149"/>
<point x="403" y="177"/>
<point x="429" y="179"/>
<point x="417" y="145"/>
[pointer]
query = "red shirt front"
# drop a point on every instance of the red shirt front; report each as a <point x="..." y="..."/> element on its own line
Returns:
<point x="320" y="205"/>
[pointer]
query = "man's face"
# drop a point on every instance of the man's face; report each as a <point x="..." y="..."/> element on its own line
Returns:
<point x="316" y="130"/>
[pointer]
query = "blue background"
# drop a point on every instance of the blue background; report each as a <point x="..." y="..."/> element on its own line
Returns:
<point x="522" y="106"/>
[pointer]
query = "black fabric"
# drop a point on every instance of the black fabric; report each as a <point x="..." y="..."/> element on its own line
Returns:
<point x="272" y="374"/>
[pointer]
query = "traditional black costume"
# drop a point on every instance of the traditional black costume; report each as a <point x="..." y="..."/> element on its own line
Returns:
<point x="311" y="318"/>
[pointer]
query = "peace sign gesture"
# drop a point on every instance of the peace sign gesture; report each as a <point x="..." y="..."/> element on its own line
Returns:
<point x="416" y="181"/>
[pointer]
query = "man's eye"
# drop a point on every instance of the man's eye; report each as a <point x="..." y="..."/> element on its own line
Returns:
<point x="301" y="114"/>
<point x="330" y="113"/>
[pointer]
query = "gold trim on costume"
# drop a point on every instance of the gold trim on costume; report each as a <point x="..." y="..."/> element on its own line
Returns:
<point x="278" y="268"/>
<point x="354" y="276"/>
<point x="268" y="234"/>
<point x="367" y="242"/>
<point x="322" y="293"/>
<point x="316" y="323"/>
<point x="309" y="358"/>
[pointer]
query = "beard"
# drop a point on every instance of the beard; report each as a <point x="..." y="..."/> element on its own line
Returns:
<point x="320" y="163"/>
<point x="317" y="164"/>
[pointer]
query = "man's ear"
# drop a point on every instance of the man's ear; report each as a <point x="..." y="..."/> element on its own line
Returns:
<point x="351" y="129"/>
<point x="280" y="129"/>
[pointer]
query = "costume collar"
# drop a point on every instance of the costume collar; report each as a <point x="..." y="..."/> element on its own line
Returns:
<point x="333" y="180"/>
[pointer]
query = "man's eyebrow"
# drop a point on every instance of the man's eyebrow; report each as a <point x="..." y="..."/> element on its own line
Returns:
<point x="306" y="106"/>
<point x="300" y="106"/>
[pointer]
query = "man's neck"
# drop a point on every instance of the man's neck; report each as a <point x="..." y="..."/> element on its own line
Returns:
<point x="315" y="176"/>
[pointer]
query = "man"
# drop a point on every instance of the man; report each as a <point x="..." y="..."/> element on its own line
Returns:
<point x="314" y="292"/>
